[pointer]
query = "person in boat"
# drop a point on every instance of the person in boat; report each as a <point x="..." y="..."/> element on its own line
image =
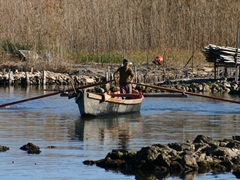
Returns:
<point x="126" y="76"/>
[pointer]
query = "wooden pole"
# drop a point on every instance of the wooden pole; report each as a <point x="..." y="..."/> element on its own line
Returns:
<point x="190" y="93"/>
<point x="27" y="78"/>
<point x="236" y="58"/>
<point x="10" y="76"/>
<point x="44" y="77"/>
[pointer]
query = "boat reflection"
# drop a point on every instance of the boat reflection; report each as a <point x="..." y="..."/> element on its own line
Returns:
<point x="106" y="129"/>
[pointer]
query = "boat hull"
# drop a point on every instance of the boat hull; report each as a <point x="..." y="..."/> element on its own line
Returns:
<point x="91" y="104"/>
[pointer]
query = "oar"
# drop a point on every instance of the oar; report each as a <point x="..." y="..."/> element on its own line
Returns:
<point x="52" y="94"/>
<point x="190" y="93"/>
<point x="169" y="95"/>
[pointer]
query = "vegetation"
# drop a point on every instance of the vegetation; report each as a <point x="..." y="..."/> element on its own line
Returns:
<point x="107" y="30"/>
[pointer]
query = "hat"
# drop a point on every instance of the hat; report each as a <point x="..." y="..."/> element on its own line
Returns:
<point x="125" y="61"/>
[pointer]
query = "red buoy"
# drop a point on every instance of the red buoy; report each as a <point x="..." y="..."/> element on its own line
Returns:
<point x="159" y="60"/>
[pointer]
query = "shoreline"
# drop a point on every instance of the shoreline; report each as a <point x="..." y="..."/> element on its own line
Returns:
<point x="202" y="155"/>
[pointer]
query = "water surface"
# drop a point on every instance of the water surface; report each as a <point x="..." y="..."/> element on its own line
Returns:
<point x="55" y="122"/>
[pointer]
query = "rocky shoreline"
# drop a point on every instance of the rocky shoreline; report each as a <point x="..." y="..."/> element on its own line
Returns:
<point x="202" y="155"/>
<point x="202" y="81"/>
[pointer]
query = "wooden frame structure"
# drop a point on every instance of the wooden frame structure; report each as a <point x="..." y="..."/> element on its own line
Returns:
<point x="226" y="57"/>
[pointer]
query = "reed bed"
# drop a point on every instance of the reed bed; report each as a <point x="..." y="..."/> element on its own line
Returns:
<point x="105" y="31"/>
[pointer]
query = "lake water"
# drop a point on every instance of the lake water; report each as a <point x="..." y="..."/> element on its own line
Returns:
<point x="56" y="121"/>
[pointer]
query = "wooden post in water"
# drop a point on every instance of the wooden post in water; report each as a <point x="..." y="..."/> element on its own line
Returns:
<point x="27" y="78"/>
<point x="10" y="76"/>
<point x="236" y="58"/>
<point x="44" y="77"/>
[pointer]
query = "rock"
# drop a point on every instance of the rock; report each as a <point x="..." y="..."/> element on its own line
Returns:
<point x="236" y="138"/>
<point x="176" y="167"/>
<point x="237" y="173"/>
<point x="89" y="162"/>
<point x="182" y="146"/>
<point x="189" y="162"/>
<point x="206" y="88"/>
<point x="31" y="148"/>
<point x="201" y="156"/>
<point x="204" y="166"/>
<point x="203" y="139"/>
<point x="233" y="144"/>
<point x="3" y="148"/>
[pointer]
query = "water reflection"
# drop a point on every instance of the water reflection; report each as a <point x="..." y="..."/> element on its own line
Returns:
<point x="105" y="129"/>
<point x="157" y="128"/>
<point x="140" y="175"/>
<point x="175" y="126"/>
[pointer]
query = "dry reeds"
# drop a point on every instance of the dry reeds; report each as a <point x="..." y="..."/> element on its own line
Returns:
<point x="71" y="28"/>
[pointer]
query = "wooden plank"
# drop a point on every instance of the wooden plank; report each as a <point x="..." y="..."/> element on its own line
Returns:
<point x="125" y="101"/>
<point x="94" y="96"/>
<point x="125" y="95"/>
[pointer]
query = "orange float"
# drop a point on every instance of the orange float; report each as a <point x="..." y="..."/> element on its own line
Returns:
<point x="159" y="60"/>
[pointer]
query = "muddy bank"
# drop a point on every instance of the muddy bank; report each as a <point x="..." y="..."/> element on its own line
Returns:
<point x="186" y="159"/>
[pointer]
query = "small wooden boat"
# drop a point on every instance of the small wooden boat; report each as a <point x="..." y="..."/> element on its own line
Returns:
<point x="91" y="104"/>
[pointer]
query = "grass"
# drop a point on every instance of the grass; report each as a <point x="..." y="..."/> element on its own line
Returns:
<point x="172" y="58"/>
<point x="63" y="60"/>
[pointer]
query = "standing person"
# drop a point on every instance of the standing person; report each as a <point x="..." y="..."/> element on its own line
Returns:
<point x="126" y="76"/>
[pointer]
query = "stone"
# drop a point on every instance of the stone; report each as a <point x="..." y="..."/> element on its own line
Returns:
<point x="3" y="148"/>
<point x="201" y="156"/>
<point x="31" y="148"/>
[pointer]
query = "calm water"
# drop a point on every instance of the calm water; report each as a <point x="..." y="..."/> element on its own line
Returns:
<point x="55" y="121"/>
